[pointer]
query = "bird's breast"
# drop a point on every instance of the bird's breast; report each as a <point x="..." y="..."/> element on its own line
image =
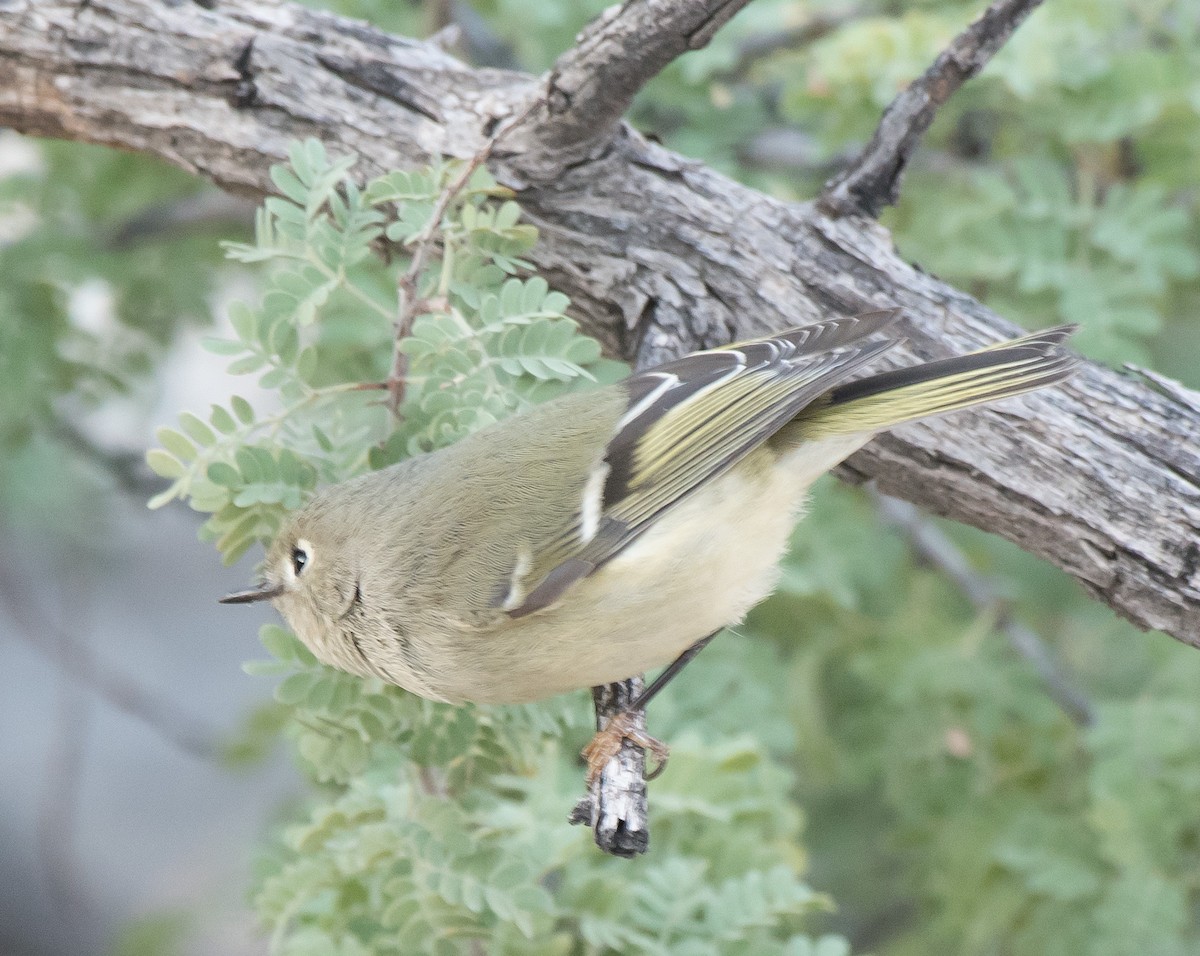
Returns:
<point x="699" y="568"/>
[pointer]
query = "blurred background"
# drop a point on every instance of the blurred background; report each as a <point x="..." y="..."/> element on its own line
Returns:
<point x="986" y="761"/>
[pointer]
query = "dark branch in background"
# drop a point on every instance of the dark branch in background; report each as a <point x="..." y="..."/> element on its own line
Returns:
<point x="592" y="85"/>
<point x="789" y="150"/>
<point x="873" y="181"/>
<point x="477" y="39"/>
<point x="127" y="469"/>
<point x="210" y="208"/>
<point x="932" y="545"/>
<point x="76" y="661"/>
<point x="759" y="46"/>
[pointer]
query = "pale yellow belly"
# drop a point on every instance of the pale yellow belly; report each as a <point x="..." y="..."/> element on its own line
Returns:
<point x="700" y="568"/>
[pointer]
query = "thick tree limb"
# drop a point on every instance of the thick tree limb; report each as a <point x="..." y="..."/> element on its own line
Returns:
<point x="1100" y="476"/>
<point x="873" y="180"/>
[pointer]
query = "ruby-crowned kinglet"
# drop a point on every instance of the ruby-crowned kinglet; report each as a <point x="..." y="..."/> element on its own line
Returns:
<point x="605" y="532"/>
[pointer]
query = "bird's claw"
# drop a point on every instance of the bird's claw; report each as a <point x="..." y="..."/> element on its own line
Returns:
<point x="607" y="744"/>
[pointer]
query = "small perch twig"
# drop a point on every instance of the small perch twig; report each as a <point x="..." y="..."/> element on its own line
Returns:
<point x="615" y="805"/>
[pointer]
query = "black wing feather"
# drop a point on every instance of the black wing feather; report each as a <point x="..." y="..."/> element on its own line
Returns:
<point x="691" y="419"/>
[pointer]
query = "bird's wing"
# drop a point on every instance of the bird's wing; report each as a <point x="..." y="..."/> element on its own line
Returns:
<point x="686" y="422"/>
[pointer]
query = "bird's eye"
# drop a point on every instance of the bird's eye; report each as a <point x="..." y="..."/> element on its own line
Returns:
<point x="299" y="559"/>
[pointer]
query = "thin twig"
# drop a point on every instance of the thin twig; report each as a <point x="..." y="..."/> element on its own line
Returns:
<point x="759" y="46"/>
<point x="128" y="469"/>
<point x="873" y="180"/>
<point x="591" y="85"/>
<point x="409" y="303"/>
<point x="935" y="547"/>
<point x="1188" y="398"/>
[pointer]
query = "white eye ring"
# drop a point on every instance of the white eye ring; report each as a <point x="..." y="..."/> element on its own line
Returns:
<point x="301" y="555"/>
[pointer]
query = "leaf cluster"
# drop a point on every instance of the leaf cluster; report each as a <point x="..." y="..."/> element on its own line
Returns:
<point x="947" y="793"/>
<point x="320" y="341"/>
<point x="445" y="826"/>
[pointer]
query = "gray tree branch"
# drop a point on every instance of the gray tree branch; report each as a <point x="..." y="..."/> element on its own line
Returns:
<point x="873" y="180"/>
<point x="660" y="254"/>
<point x="593" y="84"/>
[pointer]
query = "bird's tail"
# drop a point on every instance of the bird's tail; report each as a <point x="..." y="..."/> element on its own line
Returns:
<point x="876" y="402"/>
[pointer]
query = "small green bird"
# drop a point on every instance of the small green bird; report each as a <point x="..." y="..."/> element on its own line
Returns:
<point x="610" y="531"/>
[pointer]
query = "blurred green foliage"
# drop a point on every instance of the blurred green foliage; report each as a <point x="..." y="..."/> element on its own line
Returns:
<point x="87" y="313"/>
<point x="867" y="737"/>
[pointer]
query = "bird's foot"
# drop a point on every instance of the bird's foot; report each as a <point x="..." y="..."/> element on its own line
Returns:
<point x="607" y="744"/>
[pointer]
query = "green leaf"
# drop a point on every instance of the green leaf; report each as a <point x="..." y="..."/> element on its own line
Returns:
<point x="176" y="443"/>
<point x="222" y="421"/>
<point x="245" y="365"/>
<point x="165" y="464"/>
<point x="289" y="184"/>
<point x="223" y="346"/>
<point x="242" y="409"/>
<point x="295" y="688"/>
<point x="222" y="473"/>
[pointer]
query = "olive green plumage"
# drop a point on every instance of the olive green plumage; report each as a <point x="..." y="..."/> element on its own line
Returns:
<point x="603" y="533"/>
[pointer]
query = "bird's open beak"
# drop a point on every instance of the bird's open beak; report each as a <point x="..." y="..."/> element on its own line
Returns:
<point x="264" y="592"/>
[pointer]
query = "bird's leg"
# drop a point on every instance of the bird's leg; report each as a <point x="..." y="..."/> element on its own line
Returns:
<point x="669" y="673"/>
<point x="622" y="726"/>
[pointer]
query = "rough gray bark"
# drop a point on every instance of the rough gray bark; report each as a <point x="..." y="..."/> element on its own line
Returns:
<point x="659" y="253"/>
